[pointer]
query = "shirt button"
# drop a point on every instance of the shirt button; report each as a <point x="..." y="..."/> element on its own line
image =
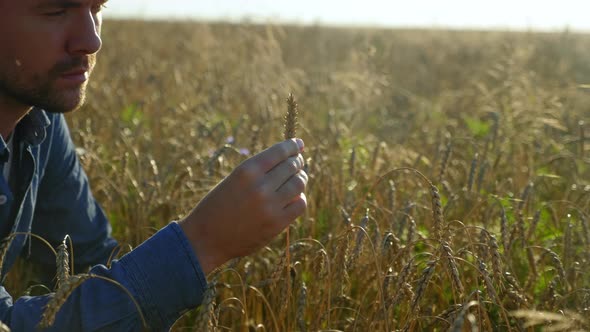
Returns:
<point x="3" y="199"/>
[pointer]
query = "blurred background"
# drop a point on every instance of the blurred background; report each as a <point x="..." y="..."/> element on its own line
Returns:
<point x="457" y="14"/>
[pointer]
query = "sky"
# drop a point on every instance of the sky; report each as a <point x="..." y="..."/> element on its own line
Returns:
<point x="475" y="14"/>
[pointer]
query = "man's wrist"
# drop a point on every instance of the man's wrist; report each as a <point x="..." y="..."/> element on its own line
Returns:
<point x="197" y="238"/>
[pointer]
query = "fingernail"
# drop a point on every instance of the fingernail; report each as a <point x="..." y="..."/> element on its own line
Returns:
<point x="300" y="144"/>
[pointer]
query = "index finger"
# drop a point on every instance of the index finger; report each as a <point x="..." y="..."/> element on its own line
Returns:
<point x="277" y="153"/>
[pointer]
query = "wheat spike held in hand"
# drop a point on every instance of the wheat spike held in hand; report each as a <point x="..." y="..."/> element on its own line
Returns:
<point x="291" y="117"/>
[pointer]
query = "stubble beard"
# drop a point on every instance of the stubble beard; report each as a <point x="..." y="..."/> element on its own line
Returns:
<point x="40" y="90"/>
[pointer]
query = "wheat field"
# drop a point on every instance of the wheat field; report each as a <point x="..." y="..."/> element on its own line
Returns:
<point x="449" y="171"/>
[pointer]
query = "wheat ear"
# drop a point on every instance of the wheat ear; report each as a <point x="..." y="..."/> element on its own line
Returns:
<point x="61" y="295"/>
<point x="403" y="276"/>
<point x="556" y="262"/>
<point x="291" y="117"/>
<point x="62" y="263"/>
<point x="425" y="277"/>
<point x="471" y="177"/>
<point x="447" y="254"/>
<point x="301" y="304"/>
<point x="205" y="320"/>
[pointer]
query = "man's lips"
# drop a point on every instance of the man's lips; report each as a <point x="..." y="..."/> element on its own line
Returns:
<point x="75" y="76"/>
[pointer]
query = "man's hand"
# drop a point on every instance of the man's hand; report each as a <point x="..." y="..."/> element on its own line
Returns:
<point x="251" y="206"/>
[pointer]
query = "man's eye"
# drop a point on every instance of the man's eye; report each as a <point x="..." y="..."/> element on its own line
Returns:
<point x="56" y="13"/>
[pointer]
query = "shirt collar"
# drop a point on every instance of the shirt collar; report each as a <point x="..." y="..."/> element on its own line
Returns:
<point x="33" y="127"/>
<point x="3" y="150"/>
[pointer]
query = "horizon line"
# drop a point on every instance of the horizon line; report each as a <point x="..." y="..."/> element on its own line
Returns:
<point x="358" y="25"/>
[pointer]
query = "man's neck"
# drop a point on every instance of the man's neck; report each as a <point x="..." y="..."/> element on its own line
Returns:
<point x="11" y="113"/>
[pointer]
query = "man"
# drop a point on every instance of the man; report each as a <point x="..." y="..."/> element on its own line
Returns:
<point x="47" y="52"/>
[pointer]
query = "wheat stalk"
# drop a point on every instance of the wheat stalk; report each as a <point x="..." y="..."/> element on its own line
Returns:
<point x="386" y="282"/>
<point x="290" y="128"/>
<point x="391" y="200"/>
<point x="406" y="214"/>
<point x="352" y="162"/>
<point x="445" y="160"/>
<point x="4" y="245"/>
<point x="504" y="228"/>
<point x="585" y="230"/>
<point x="519" y="225"/>
<point x="582" y="138"/>
<point x="471" y="178"/>
<point x="568" y="248"/>
<point x="534" y="223"/>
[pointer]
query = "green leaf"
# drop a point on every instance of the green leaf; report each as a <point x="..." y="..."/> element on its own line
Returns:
<point x="477" y="127"/>
<point x="131" y="115"/>
<point x="544" y="172"/>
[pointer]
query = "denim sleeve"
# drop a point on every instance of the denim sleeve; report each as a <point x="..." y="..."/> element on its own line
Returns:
<point x="162" y="274"/>
<point x="65" y="205"/>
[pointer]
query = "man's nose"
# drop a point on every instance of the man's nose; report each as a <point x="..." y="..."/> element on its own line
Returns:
<point x="85" y="35"/>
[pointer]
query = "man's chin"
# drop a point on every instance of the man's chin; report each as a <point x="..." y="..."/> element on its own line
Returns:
<point x="62" y="108"/>
<point x="65" y="101"/>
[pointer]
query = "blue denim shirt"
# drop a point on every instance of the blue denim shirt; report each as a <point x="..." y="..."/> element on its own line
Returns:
<point x="48" y="195"/>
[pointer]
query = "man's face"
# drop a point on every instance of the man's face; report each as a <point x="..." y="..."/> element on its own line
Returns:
<point x="48" y="50"/>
